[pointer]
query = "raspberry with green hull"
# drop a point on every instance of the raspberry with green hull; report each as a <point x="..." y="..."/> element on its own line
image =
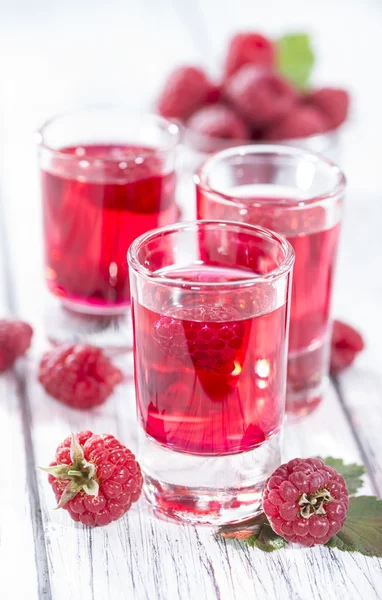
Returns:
<point x="95" y="478"/>
<point x="306" y="501"/>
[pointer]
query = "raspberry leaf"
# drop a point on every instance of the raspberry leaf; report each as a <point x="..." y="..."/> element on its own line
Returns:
<point x="352" y="473"/>
<point x="256" y="531"/>
<point x="362" y="531"/>
<point x="295" y="58"/>
<point x="267" y="540"/>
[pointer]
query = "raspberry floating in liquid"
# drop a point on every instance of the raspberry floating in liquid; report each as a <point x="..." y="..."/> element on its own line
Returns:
<point x="78" y="375"/>
<point x="306" y="501"/>
<point x="15" y="339"/>
<point x="206" y="333"/>
<point x="95" y="478"/>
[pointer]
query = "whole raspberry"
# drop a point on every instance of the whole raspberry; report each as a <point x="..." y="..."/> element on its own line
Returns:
<point x="207" y="334"/>
<point x="219" y="121"/>
<point x="15" y="339"/>
<point x="185" y="90"/>
<point x="346" y="344"/>
<point x="306" y="501"/>
<point x="333" y="102"/>
<point x="301" y="122"/>
<point x="251" y="48"/>
<point x="261" y="97"/>
<point x="78" y="375"/>
<point x="95" y="478"/>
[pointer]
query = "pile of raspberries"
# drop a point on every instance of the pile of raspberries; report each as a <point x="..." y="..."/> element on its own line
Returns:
<point x="253" y="101"/>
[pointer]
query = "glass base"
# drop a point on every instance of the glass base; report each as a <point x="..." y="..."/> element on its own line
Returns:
<point x="307" y="379"/>
<point x="212" y="490"/>
<point x="66" y="324"/>
<point x="303" y="404"/>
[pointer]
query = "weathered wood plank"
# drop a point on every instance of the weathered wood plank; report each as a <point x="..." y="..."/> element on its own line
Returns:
<point x="358" y="300"/>
<point x="22" y="558"/>
<point x="143" y="557"/>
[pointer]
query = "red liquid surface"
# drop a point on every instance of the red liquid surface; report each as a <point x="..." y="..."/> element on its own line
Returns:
<point x="92" y="213"/>
<point x="315" y="247"/>
<point x="210" y="375"/>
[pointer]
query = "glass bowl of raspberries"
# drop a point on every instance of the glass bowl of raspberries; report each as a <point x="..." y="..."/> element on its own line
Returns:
<point x="263" y="96"/>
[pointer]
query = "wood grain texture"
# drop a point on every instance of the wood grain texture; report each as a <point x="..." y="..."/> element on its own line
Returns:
<point x="21" y="535"/>
<point x="141" y="557"/>
<point x="358" y="300"/>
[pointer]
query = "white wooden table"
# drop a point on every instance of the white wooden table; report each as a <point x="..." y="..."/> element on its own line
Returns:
<point x="59" y="55"/>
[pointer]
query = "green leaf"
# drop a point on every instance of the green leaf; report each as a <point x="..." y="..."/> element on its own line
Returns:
<point x="362" y="531"/>
<point x="267" y="540"/>
<point x="256" y="532"/>
<point x="352" y="473"/>
<point x="295" y="58"/>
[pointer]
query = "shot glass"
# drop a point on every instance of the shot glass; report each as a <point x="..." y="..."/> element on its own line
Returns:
<point x="106" y="177"/>
<point x="299" y="195"/>
<point x="210" y="313"/>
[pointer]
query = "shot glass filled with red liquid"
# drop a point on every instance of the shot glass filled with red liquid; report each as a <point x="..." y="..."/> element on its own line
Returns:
<point x="106" y="178"/>
<point x="210" y="313"/>
<point x="299" y="195"/>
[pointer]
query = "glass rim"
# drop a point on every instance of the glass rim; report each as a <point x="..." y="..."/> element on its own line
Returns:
<point x="172" y="128"/>
<point x="201" y="175"/>
<point x="285" y="266"/>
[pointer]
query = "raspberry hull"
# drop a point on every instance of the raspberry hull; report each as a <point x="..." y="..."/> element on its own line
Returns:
<point x="95" y="478"/>
<point x="306" y="501"/>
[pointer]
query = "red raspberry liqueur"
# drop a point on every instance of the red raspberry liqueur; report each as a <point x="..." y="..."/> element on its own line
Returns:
<point x="215" y="382"/>
<point x="96" y="202"/>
